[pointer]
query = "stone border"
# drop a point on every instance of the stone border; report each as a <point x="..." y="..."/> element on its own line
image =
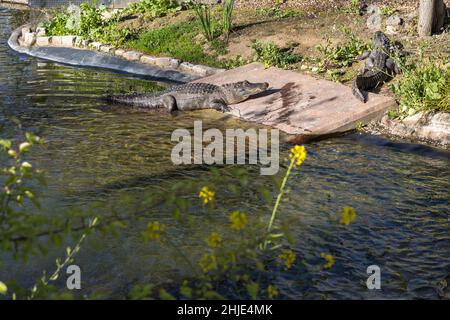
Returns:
<point x="432" y="129"/>
<point x="24" y="39"/>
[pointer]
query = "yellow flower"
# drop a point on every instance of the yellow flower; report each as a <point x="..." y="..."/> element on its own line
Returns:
<point x="289" y="257"/>
<point x="154" y="230"/>
<point x="3" y="288"/>
<point x="208" y="263"/>
<point x="206" y="194"/>
<point x="238" y="220"/>
<point x="330" y="260"/>
<point x="272" y="291"/>
<point x="298" y="155"/>
<point x="214" y="240"/>
<point x="347" y="216"/>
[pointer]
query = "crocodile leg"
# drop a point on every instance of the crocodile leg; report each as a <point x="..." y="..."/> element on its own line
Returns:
<point x="363" y="56"/>
<point x="358" y="93"/>
<point x="391" y="65"/>
<point x="170" y="103"/>
<point x="219" y="105"/>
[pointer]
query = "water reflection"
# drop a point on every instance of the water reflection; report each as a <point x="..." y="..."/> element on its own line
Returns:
<point x="400" y="191"/>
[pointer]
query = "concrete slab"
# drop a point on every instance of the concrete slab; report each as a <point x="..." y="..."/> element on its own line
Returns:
<point x="301" y="105"/>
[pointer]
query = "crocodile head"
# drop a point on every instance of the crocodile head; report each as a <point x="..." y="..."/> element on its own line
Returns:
<point x="381" y="41"/>
<point x="241" y="91"/>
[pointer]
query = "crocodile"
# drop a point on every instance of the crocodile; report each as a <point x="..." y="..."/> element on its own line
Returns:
<point x="379" y="66"/>
<point x="193" y="96"/>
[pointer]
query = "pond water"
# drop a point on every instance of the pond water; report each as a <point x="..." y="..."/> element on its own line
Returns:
<point x="400" y="191"/>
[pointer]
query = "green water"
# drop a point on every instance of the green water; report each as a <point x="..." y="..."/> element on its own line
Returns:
<point x="96" y="152"/>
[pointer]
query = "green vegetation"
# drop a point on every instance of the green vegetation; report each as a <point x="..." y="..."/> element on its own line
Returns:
<point x="335" y="60"/>
<point x="206" y="20"/>
<point x="239" y="260"/>
<point x="152" y="8"/>
<point x="341" y="55"/>
<point x="272" y="55"/>
<point x="227" y="17"/>
<point x="423" y="86"/>
<point x="388" y="10"/>
<point x="353" y="7"/>
<point x="177" y="40"/>
<point x="277" y="12"/>
<point x="89" y="24"/>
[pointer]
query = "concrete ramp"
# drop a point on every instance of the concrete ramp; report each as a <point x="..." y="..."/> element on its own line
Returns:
<point x="301" y="105"/>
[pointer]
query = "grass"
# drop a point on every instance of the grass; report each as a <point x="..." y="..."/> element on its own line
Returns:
<point x="177" y="40"/>
<point x="423" y="86"/>
<point x="272" y="55"/>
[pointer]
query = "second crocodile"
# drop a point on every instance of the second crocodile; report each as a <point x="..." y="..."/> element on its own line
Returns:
<point x="193" y="96"/>
<point x="379" y="66"/>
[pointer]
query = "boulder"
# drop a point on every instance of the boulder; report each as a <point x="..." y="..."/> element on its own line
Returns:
<point x="43" y="41"/>
<point x="132" y="55"/>
<point x="119" y="52"/>
<point x="107" y="49"/>
<point x="68" y="41"/>
<point x="374" y="22"/>
<point x="29" y="39"/>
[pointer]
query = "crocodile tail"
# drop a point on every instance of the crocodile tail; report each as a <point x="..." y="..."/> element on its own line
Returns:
<point x="357" y="91"/>
<point x="134" y="99"/>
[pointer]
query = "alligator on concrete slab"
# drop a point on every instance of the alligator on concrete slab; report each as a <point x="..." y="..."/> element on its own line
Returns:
<point x="193" y="96"/>
<point x="379" y="66"/>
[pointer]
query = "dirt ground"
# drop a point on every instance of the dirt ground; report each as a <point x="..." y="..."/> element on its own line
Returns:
<point x="319" y="20"/>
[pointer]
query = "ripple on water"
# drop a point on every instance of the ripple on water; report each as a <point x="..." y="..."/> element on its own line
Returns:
<point x="400" y="191"/>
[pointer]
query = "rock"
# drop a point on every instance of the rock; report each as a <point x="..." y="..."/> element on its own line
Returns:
<point x="132" y="55"/>
<point x="187" y="67"/>
<point x="374" y="22"/>
<point x="68" y="41"/>
<point x="25" y="30"/>
<point x="79" y="42"/>
<point x="56" y="41"/>
<point x="314" y="108"/>
<point x="107" y="49"/>
<point x="175" y="63"/>
<point x="394" y="21"/>
<point x="199" y="69"/>
<point x="430" y="128"/>
<point x="148" y="59"/>
<point x="40" y="31"/>
<point x="43" y="41"/>
<point x="86" y="42"/>
<point x="95" y="45"/>
<point x="373" y="9"/>
<point x="394" y="24"/>
<point x="29" y="39"/>
<point x="119" y="52"/>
